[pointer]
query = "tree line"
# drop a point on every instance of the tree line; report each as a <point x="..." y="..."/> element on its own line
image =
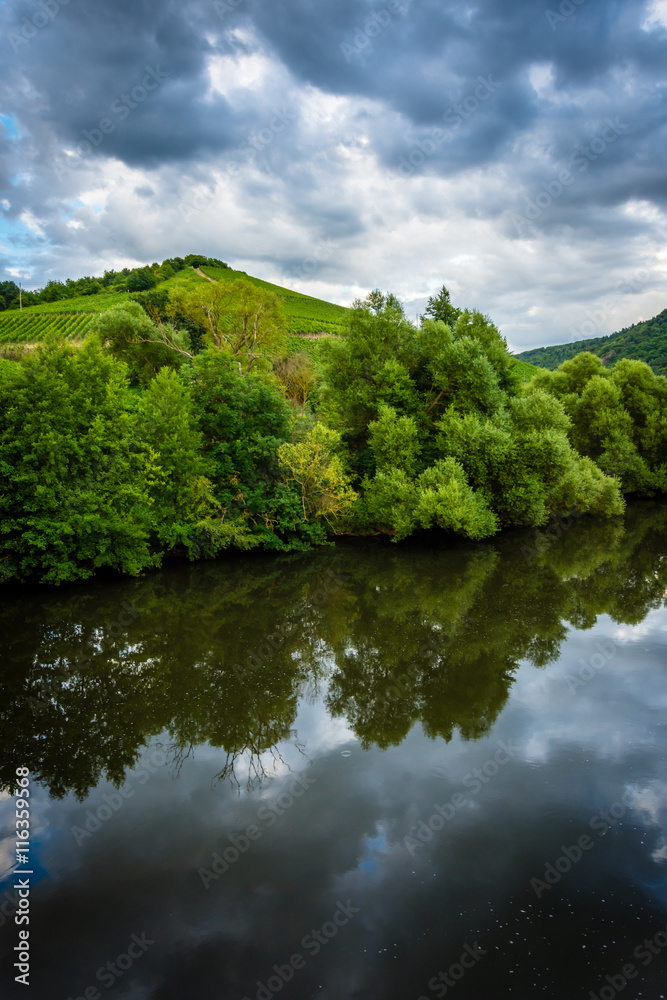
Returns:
<point x="186" y="426"/>
<point x="135" y="279"/>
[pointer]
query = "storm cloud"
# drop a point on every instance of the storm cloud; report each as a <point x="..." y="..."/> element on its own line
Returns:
<point x="511" y="149"/>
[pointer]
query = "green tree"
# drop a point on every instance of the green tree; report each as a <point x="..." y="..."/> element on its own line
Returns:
<point x="145" y="346"/>
<point x="185" y="512"/>
<point x="77" y="486"/>
<point x="240" y="317"/>
<point x="141" y="279"/>
<point x="440" y="307"/>
<point x="523" y="464"/>
<point x="244" y="420"/>
<point x="319" y="474"/>
<point x="618" y="418"/>
<point x="394" y="441"/>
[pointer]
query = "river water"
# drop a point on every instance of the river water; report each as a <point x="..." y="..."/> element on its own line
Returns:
<point x="369" y="772"/>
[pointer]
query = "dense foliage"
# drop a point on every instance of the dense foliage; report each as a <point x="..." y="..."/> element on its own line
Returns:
<point x="646" y="341"/>
<point x="618" y="418"/>
<point x="136" y="279"/>
<point x="186" y="425"/>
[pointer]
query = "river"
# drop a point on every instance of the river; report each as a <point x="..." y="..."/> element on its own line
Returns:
<point x="374" y="772"/>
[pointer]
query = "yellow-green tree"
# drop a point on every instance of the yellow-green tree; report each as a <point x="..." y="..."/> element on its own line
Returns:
<point x="319" y="474"/>
<point x="240" y="317"/>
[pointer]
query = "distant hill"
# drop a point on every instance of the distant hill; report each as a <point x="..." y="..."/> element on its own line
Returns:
<point x="642" y="342"/>
<point x="72" y="316"/>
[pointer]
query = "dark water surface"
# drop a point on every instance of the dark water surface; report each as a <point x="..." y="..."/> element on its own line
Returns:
<point x="343" y="774"/>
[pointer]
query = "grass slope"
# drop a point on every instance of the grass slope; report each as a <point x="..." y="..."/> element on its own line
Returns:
<point x="645" y="341"/>
<point x="305" y="314"/>
<point x="81" y="304"/>
<point x="74" y="317"/>
<point x="527" y="370"/>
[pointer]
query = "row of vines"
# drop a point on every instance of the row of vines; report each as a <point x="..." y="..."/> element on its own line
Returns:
<point x="28" y="328"/>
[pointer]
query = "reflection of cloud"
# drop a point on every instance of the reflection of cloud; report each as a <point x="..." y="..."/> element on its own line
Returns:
<point x="372" y="847"/>
<point x="7" y="858"/>
<point x="654" y="622"/>
<point x="587" y="709"/>
<point x="649" y="802"/>
<point x="318" y="731"/>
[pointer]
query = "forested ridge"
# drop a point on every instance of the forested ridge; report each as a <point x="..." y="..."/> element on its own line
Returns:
<point x="190" y="422"/>
<point x="645" y="341"/>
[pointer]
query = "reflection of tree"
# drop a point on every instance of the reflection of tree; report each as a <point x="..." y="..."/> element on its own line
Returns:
<point x="253" y="759"/>
<point x="222" y="652"/>
<point x="438" y="635"/>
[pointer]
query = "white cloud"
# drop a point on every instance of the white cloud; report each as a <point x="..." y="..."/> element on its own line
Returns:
<point x="656" y="15"/>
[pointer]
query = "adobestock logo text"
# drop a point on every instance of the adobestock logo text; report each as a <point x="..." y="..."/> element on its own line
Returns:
<point x="121" y="108"/>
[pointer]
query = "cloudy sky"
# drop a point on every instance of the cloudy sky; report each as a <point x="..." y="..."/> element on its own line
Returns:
<point x="512" y="149"/>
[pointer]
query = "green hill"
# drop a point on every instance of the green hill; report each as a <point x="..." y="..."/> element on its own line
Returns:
<point x="72" y="317"/>
<point x="527" y="370"/>
<point x="645" y="341"/>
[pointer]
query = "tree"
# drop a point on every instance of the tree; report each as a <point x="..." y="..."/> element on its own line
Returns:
<point x="141" y="279"/>
<point x="440" y="308"/>
<point x="440" y="433"/>
<point x="522" y="463"/>
<point x="299" y="376"/>
<point x="368" y="367"/>
<point x="383" y="360"/>
<point x="9" y="292"/>
<point x="319" y="474"/>
<point x="397" y="504"/>
<point x="618" y="418"/>
<point x="77" y="485"/>
<point x="395" y="442"/>
<point x="166" y="271"/>
<point x="185" y="512"/>
<point x="240" y="317"/>
<point x="244" y="420"/>
<point x="146" y="346"/>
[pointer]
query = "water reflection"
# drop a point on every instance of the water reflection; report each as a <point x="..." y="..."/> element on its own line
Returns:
<point x="222" y="653"/>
